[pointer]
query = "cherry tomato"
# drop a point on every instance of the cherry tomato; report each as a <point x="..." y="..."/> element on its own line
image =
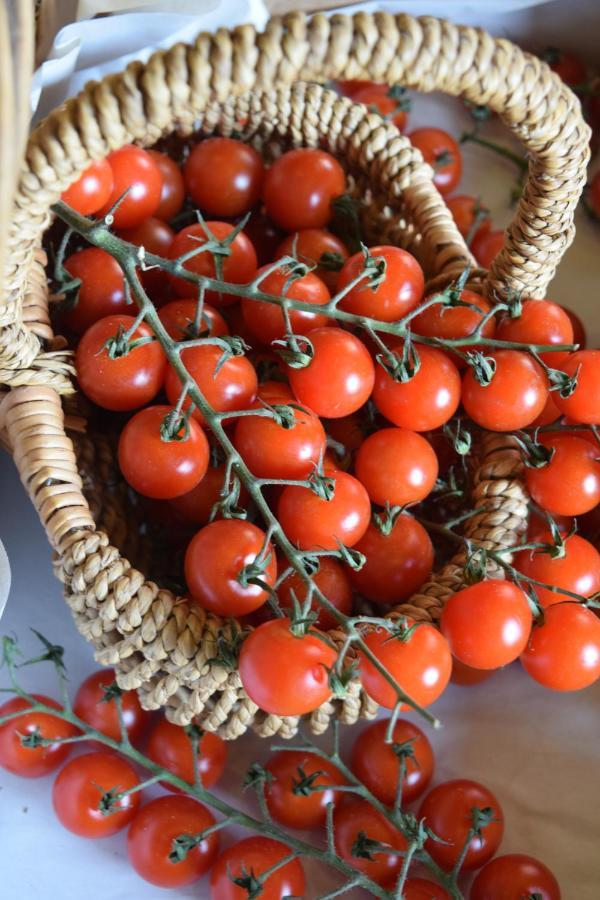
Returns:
<point x="419" y="660"/>
<point x="447" y="812"/>
<point x="487" y="625"/>
<point x="91" y="190"/>
<point x="135" y="171"/>
<point x="399" y="293"/>
<point x="441" y="151"/>
<point x="451" y="322"/>
<point x="156" y="237"/>
<point x="397" y="563"/>
<point x="214" y="561"/>
<point x="101" y="292"/>
<point x="32" y="762"/>
<point x="316" y="247"/>
<point x="354" y="816"/>
<point x="224" y="176"/>
<point x="170" y="747"/>
<point x="178" y="317"/>
<point x="237" y="268"/>
<point x="564" y="650"/>
<point x="299" y="187"/>
<point x="575" y="468"/>
<point x="538" y="524"/>
<point x="380" y="98"/>
<point x="339" y="379"/>
<point x="79" y="788"/>
<point x="396" y="466"/>
<point x="313" y="523"/>
<point x="578" y="570"/>
<point x="579" y="335"/>
<point x="584" y="403"/>
<point x="255" y="855"/>
<point x="284" y="674"/>
<point x="172" y="192"/>
<point x="123" y="383"/>
<point x="469" y="214"/>
<point x="265" y="320"/>
<point x="466" y="676"/>
<point x="151" y="835"/>
<point x="347" y="430"/>
<point x="567" y="66"/>
<point x="265" y="236"/>
<point x="348" y="88"/>
<point x="91" y="705"/>
<point x="332" y="580"/>
<point x="233" y="386"/>
<point x="540" y="322"/>
<point x="378" y="766"/>
<point x="422" y="889"/>
<point x="196" y="506"/>
<point x="486" y="245"/>
<point x="287" y="804"/>
<point x="513" y="877"/>
<point x="549" y="414"/>
<point x="515" y="397"/>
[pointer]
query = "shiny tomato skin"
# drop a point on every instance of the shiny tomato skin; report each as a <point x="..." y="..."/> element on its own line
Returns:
<point x="331" y="579"/>
<point x="578" y="570"/>
<point x="447" y="812"/>
<point x="224" y="176"/>
<point x="549" y="414"/>
<point x="299" y="186"/>
<point x="575" y="468"/>
<point x="376" y="764"/>
<point x="540" y="322"/>
<point x="91" y="190"/>
<point x="134" y="170"/>
<point x="310" y="245"/>
<point x="102" y="289"/>
<point x="340" y="377"/>
<point x="196" y="506"/>
<point x="127" y="382"/>
<point x="79" y="787"/>
<point x="256" y="854"/>
<point x="265" y="320"/>
<point x="213" y="561"/>
<point x="156" y="237"/>
<point x="283" y="674"/>
<point x="422" y="889"/>
<point x="397" y="563"/>
<point x="172" y="192"/>
<point x="420" y="662"/>
<point x="170" y="747"/>
<point x="435" y="144"/>
<point x="584" y="403"/>
<point x="376" y="97"/>
<point x="356" y="815"/>
<point x="579" y="333"/>
<point x="399" y="293"/>
<point x="513" y="877"/>
<point x="179" y="315"/>
<point x="32" y="762"/>
<point x="396" y="466"/>
<point x="515" y="397"/>
<point x="151" y="835"/>
<point x="464" y="210"/>
<point x="272" y="451"/>
<point x="486" y="245"/>
<point x="564" y="651"/>
<point x="238" y="268"/>
<point x="89" y="704"/>
<point x="451" y="322"/>
<point x="297" y="810"/>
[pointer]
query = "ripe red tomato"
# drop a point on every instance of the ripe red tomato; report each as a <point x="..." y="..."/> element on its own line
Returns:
<point x="379" y="98"/>
<point x="564" y="650"/>
<point x="579" y="335"/>
<point x="441" y="151"/>
<point x="32" y="762"/>
<point x="396" y="466"/>
<point x="355" y="815"/>
<point x="486" y="245"/>
<point x="378" y="766"/>
<point x="397" y="563"/>
<point x="300" y="810"/>
<point x="91" y="190"/>
<point x="549" y="414"/>
<point x="332" y="580"/>
<point x="178" y="317"/>
<point x="91" y="706"/>
<point x="578" y="570"/>
<point x="516" y="395"/>
<point x="214" y="560"/>
<point x="347" y="430"/>
<point x="134" y="170"/>
<point x="124" y="383"/>
<point x="584" y="403"/>
<point x="156" y="237"/>
<point x="428" y="400"/>
<point x="339" y="379"/>
<point x="487" y="624"/>
<point x="102" y="289"/>
<point x="540" y="322"/>
<point x="151" y="835"/>
<point x="233" y="386"/>
<point x="466" y="676"/>
<point x="271" y="450"/>
<point x="158" y="468"/>
<point x="79" y="788"/>
<point x="419" y="660"/>
<point x="265" y="237"/>
<point x="265" y="320"/>
<point x="237" y="268"/>
<point x="172" y="192"/>
<point x="224" y="176"/>
<point x="399" y="293"/>
<point x="512" y="877"/>
<point x="310" y="246"/>
<point x="567" y="66"/>
<point x="196" y="506"/>
<point x="170" y="747"/>
<point x="575" y="468"/>
<point x="313" y="523"/>
<point x="299" y="187"/>
<point x="422" y="889"/>
<point x="465" y="210"/>
<point x="255" y="855"/>
<point x="452" y="322"/>
<point x="284" y="674"/>
<point x="447" y="811"/>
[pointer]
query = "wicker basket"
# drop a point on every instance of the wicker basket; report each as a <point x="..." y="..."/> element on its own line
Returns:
<point x="158" y="643"/>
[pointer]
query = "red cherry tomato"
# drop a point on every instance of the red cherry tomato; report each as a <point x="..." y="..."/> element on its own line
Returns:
<point x="79" y="788"/>
<point x="316" y="247"/>
<point x="237" y="268"/>
<point x="170" y="747"/>
<point x="418" y="659"/>
<point x="486" y="245"/>
<point x="178" y="317"/>
<point x="332" y="580"/>
<point x="540" y="322"/>
<point x="584" y="403"/>
<point x="299" y="187"/>
<point x="172" y="192"/>
<point x="380" y="98"/>
<point x="101" y="292"/>
<point x="422" y="889"/>
<point x="91" y="190"/>
<point x="91" y="705"/>
<point x="441" y="151"/>
<point x="397" y="563"/>
<point x="156" y="237"/>
<point x="265" y="320"/>
<point x="579" y="335"/>
<point x="574" y="467"/>
<point x="196" y="506"/>
<point x="516" y="395"/>
<point x="396" y="466"/>
<point x="151" y="835"/>
<point x="288" y="805"/>
<point x="452" y="322"/>
<point x="466" y="676"/>
<point x="469" y="214"/>
<point x="564" y="650"/>
<point x="284" y="674"/>
<point x="355" y="816"/>
<point x="567" y="66"/>
<point x="378" y="766"/>
<point x="265" y="236"/>
<point x="549" y="414"/>
<point x="399" y="293"/>
<point x="224" y="176"/>
<point x="578" y="570"/>
<point x="256" y="854"/>
<point x="32" y="762"/>
<point x="135" y="171"/>
<point x="123" y="383"/>
<point x="348" y="430"/>
<point x="339" y="379"/>
<point x="447" y="812"/>
<point x="513" y="877"/>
